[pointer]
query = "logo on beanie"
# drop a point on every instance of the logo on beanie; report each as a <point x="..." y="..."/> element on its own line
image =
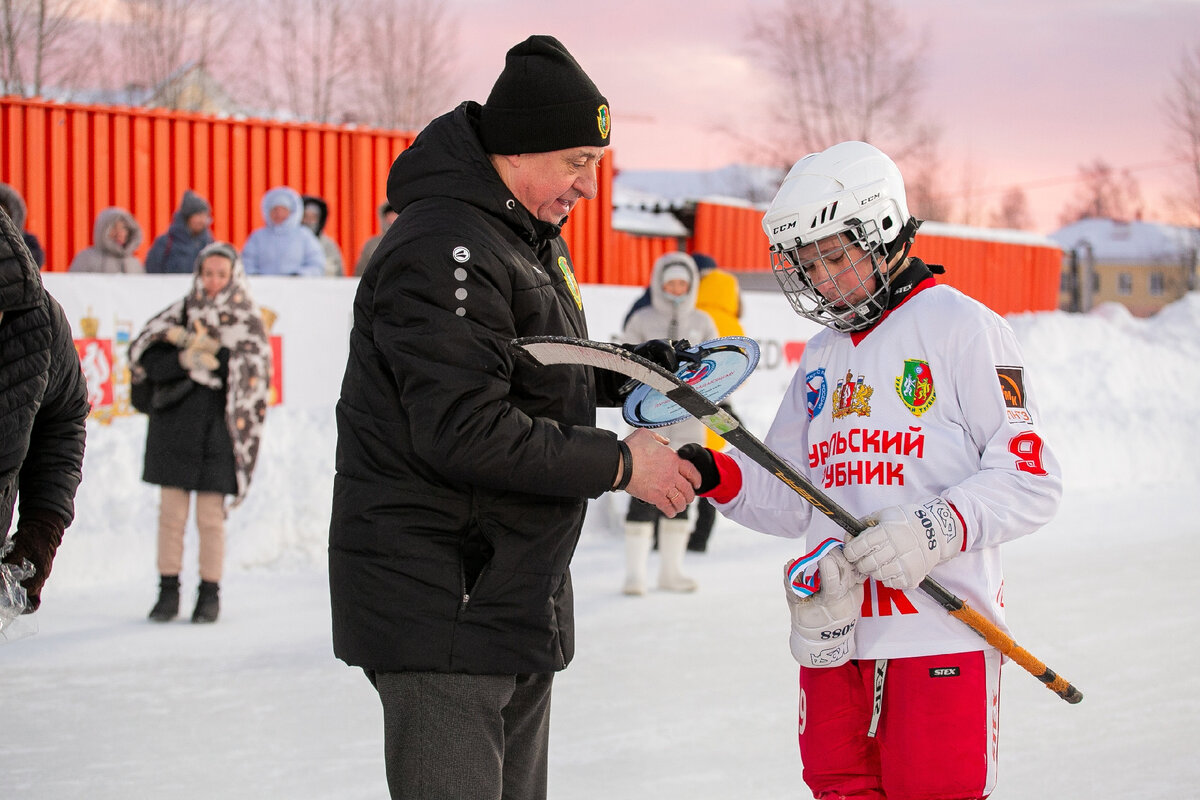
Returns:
<point x="603" y="121"/>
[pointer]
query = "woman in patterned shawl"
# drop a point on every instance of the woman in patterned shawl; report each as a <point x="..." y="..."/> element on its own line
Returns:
<point x="207" y="363"/>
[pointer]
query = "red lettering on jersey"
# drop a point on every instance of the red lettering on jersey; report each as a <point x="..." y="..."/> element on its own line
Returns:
<point x="886" y="600"/>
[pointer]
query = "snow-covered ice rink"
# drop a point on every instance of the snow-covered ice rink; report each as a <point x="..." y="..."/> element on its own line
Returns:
<point x="669" y="695"/>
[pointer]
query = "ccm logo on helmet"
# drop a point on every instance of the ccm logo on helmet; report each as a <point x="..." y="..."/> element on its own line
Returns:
<point x="781" y="228"/>
<point x="870" y="199"/>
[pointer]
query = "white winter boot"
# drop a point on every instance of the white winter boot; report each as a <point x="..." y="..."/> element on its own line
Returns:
<point x="672" y="542"/>
<point x="638" y="536"/>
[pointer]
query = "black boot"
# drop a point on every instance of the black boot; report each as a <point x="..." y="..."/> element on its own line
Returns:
<point x="167" y="607"/>
<point x="207" y="603"/>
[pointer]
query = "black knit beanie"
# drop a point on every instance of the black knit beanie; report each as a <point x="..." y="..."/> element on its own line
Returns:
<point x="543" y="101"/>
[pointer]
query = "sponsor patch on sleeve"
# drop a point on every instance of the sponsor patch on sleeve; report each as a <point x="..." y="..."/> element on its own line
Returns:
<point x="1012" y="387"/>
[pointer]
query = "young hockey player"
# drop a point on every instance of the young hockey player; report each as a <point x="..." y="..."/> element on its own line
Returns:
<point x="911" y="411"/>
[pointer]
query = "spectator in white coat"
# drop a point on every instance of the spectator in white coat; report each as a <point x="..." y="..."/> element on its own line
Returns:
<point x="283" y="246"/>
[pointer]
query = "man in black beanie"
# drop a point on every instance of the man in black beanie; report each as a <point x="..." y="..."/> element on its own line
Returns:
<point x="463" y="472"/>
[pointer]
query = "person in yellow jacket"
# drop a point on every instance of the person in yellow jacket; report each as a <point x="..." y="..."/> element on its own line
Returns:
<point x="720" y="295"/>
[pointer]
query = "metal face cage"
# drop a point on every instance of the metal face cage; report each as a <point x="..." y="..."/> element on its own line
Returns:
<point x="843" y="305"/>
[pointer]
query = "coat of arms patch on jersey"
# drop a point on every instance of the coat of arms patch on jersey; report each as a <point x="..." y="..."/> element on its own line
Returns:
<point x="853" y="396"/>
<point x="915" y="386"/>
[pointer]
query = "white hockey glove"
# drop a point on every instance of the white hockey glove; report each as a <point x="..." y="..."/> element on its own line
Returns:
<point x="905" y="542"/>
<point x="823" y="624"/>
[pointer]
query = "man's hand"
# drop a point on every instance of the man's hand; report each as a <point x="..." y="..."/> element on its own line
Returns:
<point x="660" y="476"/>
<point x="823" y="624"/>
<point x="905" y="542"/>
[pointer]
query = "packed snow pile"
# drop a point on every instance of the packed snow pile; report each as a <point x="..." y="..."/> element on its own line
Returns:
<point x="1118" y="393"/>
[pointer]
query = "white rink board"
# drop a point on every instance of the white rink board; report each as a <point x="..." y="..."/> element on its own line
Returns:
<point x="313" y="318"/>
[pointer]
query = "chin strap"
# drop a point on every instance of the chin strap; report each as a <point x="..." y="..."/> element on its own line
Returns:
<point x="903" y="271"/>
<point x="903" y="242"/>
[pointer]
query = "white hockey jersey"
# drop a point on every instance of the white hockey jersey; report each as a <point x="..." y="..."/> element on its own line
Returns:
<point x="931" y="401"/>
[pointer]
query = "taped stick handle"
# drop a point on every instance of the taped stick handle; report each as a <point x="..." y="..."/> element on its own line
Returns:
<point x="1008" y="646"/>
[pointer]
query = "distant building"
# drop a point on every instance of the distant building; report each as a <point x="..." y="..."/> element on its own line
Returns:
<point x="1141" y="265"/>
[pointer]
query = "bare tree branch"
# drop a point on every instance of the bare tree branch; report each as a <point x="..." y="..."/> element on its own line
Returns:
<point x="305" y="56"/>
<point x="12" y="26"/>
<point x="413" y="82"/>
<point x="849" y="70"/>
<point x="38" y="43"/>
<point x="1013" y="211"/>
<point x="160" y="39"/>
<point x="1104" y="192"/>
<point x="1183" y="117"/>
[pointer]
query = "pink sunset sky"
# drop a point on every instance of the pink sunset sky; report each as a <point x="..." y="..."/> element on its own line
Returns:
<point x="1024" y="92"/>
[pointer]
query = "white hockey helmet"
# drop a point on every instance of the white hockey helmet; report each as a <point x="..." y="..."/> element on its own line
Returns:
<point x="851" y="191"/>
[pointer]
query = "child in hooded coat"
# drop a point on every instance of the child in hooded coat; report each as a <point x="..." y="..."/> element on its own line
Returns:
<point x="671" y="314"/>
<point x="115" y="235"/>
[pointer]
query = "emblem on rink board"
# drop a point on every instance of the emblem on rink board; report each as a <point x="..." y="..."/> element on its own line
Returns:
<point x="915" y="386"/>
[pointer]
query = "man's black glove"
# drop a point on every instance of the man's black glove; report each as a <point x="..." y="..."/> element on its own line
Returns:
<point x="702" y="459"/>
<point x="658" y="351"/>
<point x="667" y="353"/>
<point x="37" y="538"/>
<point x="612" y="387"/>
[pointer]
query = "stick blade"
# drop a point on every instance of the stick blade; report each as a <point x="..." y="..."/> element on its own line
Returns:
<point x="548" y="350"/>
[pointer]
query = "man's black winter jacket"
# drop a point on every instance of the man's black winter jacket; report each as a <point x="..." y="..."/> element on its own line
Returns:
<point x="462" y="472"/>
